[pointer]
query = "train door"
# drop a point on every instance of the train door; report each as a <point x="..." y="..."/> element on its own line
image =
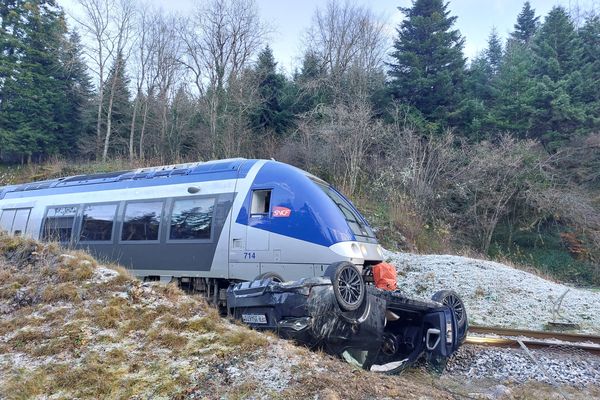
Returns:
<point x="260" y="208"/>
<point x="250" y="237"/>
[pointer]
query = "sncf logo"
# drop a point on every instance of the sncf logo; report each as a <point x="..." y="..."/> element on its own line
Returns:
<point x="281" y="212"/>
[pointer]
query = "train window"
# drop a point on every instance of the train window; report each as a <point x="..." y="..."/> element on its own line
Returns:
<point x="20" y="223"/>
<point x="142" y="221"/>
<point x="58" y="225"/>
<point x="97" y="222"/>
<point x="6" y="220"/>
<point x="191" y="219"/>
<point x="356" y="222"/>
<point x="261" y="202"/>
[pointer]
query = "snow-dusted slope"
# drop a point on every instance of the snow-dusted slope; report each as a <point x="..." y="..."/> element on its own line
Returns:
<point x="495" y="294"/>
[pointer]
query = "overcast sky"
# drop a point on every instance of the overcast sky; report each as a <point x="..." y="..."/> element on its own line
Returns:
<point x="289" y="19"/>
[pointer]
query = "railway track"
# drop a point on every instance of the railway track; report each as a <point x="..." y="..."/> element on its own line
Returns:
<point x="508" y="337"/>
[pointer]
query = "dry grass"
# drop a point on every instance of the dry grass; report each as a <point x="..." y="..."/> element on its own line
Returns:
<point x="61" y="292"/>
<point x="243" y="340"/>
<point x="23" y="385"/>
<point x="75" y="269"/>
<point x="142" y="322"/>
<point x="9" y="290"/>
<point x="5" y="276"/>
<point x="24" y="338"/>
<point x="167" y="339"/>
<point x="110" y="316"/>
<point x="244" y="390"/>
<point x="339" y="382"/>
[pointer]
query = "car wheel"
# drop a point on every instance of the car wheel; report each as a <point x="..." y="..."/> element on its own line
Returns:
<point x="269" y="275"/>
<point x="451" y="299"/>
<point x="348" y="285"/>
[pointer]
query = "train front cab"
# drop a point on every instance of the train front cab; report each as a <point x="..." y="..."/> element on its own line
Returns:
<point x="293" y="225"/>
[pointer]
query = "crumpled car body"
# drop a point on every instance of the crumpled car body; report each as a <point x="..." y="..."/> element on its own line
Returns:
<point x="387" y="333"/>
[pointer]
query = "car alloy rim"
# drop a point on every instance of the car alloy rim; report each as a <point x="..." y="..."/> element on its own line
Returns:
<point x="350" y="286"/>
<point x="389" y="346"/>
<point x="456" y="305"/>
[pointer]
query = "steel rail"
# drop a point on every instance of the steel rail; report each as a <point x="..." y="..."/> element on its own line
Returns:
<point x="508" y="337"/>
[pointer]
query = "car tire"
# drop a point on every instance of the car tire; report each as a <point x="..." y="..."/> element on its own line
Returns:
<point x="269" y="275"/>
<point x="452" y="300"/>
<point x="348" y="285"/>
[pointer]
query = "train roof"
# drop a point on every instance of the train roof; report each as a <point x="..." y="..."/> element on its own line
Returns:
<point x="166" y="174"/>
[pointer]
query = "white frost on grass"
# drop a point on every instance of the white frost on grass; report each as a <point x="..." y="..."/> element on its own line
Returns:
<point x="273" y="370"/>
<point x="496" y="294"/>
<point x="103" y="274"/>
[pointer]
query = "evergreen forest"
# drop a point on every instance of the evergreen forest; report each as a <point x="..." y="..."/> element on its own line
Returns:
<point x="495" y="156"/>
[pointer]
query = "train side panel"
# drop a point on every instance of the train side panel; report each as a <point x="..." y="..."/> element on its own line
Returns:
<point x="161" y="256"/>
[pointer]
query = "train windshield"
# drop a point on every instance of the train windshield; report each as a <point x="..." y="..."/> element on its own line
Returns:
<point x="356" y="222"/>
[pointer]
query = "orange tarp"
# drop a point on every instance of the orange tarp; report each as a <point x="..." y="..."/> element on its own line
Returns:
<point x="385" y="276"/>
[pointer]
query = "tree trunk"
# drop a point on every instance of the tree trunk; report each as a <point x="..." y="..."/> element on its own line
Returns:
<point x="99" y="121"/>
<point x="113" y="86"/>
<point x="144" y="119"/>
<point x="214" y="103"/>
<point x="132" y="130"/>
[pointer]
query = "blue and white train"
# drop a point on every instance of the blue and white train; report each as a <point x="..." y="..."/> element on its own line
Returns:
<point x="202" y="224"/>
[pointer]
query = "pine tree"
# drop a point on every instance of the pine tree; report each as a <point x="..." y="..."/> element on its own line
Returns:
<point x="311" y="69"/>
<point x="557" y="48"/>
<point x="494" y="51"/>
<point x="311" y="85"/>
<point x="527" y="24"/>
<point x="78" y="89"/>
<point x="514" y="86"/>
<point x="31" y="91"/>
<point x="590" y="92"/>
<point x="428" y="64"/>
<point x="474" y="109"/>
<point x="270" y="115"/>
<point x="557" y="58"/>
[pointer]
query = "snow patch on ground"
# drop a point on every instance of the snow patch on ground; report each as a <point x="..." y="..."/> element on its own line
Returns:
<point x="496" y="294"/>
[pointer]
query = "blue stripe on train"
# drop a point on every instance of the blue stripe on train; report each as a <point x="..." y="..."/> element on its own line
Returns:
<point x="314" y="217"/>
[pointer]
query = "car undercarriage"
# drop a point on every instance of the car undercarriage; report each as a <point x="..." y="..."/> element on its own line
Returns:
<point x="378" y="330"/>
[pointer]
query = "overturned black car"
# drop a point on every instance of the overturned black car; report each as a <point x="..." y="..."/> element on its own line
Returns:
<point x="375" y="329"/>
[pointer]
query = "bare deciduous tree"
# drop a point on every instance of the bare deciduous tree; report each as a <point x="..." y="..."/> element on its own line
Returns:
<point x="123" y="12"/>
<point x="167" y="70"/>
<point x="96" y="26"/>
<point x="143" y="53"/>
<point x="219" y="41"/>
<point x="347" y="131"/>
<point x="345" y="35"/>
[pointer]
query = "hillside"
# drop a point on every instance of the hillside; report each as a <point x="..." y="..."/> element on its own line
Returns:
<point x="496" y="294"/>
<point x="72" y="328"/>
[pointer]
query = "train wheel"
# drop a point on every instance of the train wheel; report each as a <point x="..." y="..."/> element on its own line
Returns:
<point x="269" y="275"/>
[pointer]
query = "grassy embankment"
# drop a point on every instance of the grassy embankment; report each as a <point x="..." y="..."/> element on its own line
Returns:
<point x="71" y="328"/>
<point x="75" y="329"/>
